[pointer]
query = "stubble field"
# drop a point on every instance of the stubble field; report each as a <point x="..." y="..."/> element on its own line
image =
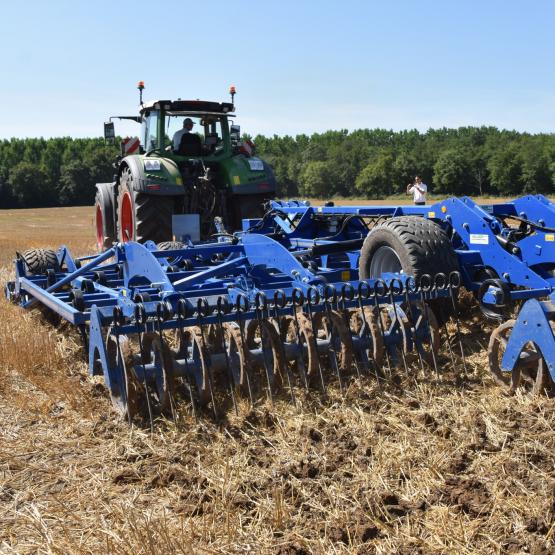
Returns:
<point x="417" y="465"/>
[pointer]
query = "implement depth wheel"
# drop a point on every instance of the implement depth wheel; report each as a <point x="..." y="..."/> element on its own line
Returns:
<point x="39" y="261"/>
<point x="142" y="217"/>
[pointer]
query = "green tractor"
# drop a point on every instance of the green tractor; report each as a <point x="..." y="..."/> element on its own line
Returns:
<point x="188" y="175"/>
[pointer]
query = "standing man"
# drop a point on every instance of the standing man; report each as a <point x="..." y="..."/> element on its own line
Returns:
<point x="418" y="191"/>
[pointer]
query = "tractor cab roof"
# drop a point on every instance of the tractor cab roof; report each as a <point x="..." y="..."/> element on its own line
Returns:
<point x="189" y="107"/>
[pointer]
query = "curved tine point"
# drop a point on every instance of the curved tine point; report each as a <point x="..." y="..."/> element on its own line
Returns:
<point x="455" y="279"/>
<point x="440" y="281"/>
<point x="364" y="290"/>
<point x="313" y="296"/>
<point x="297" y="297"/>
<point x="426" y="283"/>
<point x="280" y="298"/>
<point x="347" y="292"/>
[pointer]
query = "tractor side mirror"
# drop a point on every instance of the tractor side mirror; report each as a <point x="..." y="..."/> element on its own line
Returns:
<point x="235" y="133"/>
<point x="109" y="133"/>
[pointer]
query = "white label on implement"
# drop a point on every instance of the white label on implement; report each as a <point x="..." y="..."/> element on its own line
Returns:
<point x="256" y="164"/>
<point x="479" y="239"/>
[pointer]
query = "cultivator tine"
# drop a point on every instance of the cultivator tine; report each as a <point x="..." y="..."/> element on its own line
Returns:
<point x="242" y="306"/>
<point x="118" y="321"/>
<point x="222" y="308"/>
<point x="348" y="294"/>
<point x="163" y="313"/>
<point x="424" y="286"/>
<point x="181" y="315"/>
<point x="413" y="322"/>
<point x="363" y="293"/>
<point x="328" y="303"/>
<point x="261" y="305"/>
<point x="454" y="282"/>
<point x="140" y="321"/>
<point x="397" y="320"/>
<point x="311" y="317"/>
<point x="377" y="292"/>
<point x="280" y="300"/>
<point x="203" y="310"/>
<point x="297" y="300"/>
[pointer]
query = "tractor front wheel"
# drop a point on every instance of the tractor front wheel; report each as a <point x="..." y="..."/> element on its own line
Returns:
<point x="142" y="217"/>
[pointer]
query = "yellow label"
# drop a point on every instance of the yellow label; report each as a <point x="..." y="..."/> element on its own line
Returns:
<point x="431" y="214"/>
<point x="124" y="292"/>
<point x="444" y="209"/>
<point x="236" y="180"/>
<point x="178" y="181"/>
<point x="320" y="209"/>
<point x="550" y="237"/>
<point x="345" y="275"/>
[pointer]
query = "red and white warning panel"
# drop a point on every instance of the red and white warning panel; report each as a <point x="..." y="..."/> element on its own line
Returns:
<point x="131" y="145"/>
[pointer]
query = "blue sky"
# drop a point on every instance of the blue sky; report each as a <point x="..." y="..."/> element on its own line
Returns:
<point x="298" y="66"/>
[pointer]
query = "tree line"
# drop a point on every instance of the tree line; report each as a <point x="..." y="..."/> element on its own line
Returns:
<point x="366" y="163"/>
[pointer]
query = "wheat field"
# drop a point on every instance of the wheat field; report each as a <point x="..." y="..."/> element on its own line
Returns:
<point x="419" y="464"/>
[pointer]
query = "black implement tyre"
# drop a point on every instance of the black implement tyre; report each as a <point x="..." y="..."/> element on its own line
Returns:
<point x="38" y="261"/>
<point x="142" y="217"/>
<point x="410" y="244"/>
<point x="104" y="219"/>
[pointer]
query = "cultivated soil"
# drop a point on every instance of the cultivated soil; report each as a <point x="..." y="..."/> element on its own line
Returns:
<point x="419" y="464"/>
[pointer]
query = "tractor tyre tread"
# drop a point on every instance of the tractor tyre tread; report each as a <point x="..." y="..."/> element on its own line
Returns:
<point x="38" y="261"/>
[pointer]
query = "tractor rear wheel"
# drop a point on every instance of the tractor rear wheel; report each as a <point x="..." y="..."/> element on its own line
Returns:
<point x="142" y="217"/>
<point x="104" y="220"/>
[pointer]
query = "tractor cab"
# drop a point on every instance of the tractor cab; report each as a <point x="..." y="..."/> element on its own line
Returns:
<point x="185" y="129"/>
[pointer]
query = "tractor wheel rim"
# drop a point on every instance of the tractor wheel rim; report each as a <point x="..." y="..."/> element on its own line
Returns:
<point x="99" y="228"/>
<point x="385" y="260"/>
<point x="126" y="218"/>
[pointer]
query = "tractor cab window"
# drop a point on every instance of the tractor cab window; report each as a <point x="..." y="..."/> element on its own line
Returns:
<point x="149" y="131"/>
<point x="206" y="129"/>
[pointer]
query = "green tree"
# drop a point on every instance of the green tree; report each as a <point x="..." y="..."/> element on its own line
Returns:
<point x="29" y="185"/>
<point x="377" y="179"/>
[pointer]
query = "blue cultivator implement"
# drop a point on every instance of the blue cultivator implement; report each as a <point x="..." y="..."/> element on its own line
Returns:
<point x="303" y="296"/>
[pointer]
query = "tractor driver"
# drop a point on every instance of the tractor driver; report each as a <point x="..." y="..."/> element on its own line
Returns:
<point x="185" y="142"/>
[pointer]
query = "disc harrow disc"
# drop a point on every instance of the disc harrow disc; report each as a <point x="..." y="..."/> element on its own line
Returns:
<point x="237" y="353"/>
<point x="161" y="387"/>
<point x="126" y="392"/>
<point x="192" y="347"/>
<point x="262" y="337"/>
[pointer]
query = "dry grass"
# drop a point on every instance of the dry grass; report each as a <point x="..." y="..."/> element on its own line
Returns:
<point x="425" y="466"/>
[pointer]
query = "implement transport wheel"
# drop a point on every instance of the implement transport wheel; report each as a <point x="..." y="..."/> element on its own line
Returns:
<point x="161" y="388"/>
<point x="126" y="391"/>
<point x="530" y="372"/>
<point x="39" y="261"/>
<point x="142" y="217"/>
<point x="410" y="245"/>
